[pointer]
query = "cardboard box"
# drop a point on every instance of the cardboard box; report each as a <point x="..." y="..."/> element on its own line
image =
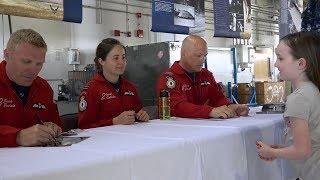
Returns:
<point x="270" y="92"/>
<point x="244" y="88"/>
<point x="244" y="98"/>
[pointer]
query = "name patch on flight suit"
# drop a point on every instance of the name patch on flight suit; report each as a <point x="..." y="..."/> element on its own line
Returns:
<point x="105" y="96"/>
<point x="205" y="83"/>
<point x="185" y="87"/>
<point x="128" y="93"/>
<point x="6" y="103"/>
<point x="83" y="104"/>
<point x="39" y="106"/>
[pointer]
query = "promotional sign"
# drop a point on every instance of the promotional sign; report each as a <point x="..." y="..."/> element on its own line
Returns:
<point x="311" y="16"/>
<point x="178" y="16"/>
<point x="62" y="10"/>
<point x="229" y="16"/>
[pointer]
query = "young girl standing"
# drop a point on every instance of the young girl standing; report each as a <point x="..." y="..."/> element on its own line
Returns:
<point x="298" y="61"/>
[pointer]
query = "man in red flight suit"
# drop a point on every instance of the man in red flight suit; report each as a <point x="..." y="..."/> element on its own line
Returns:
<point x="194" y="92"/>
<point x="28" y="114"/>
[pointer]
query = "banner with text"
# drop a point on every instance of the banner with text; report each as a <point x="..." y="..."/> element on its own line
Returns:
<point x="178" y="16"/>
<point x="62" y="10"/>
<point x="229" y="18"/>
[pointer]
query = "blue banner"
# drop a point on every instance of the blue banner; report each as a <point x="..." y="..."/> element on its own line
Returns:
<point x="72" y="11"/>
<point x="311" y="17"/>
<point x="178" y="16"/>
<point x="229" y="19"/>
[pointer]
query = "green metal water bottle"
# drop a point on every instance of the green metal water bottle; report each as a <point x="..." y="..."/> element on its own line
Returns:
<point x="164" y="105"/>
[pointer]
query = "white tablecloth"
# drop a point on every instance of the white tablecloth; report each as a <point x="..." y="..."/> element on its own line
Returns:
<point x="265" y="127"/>
<point x="159" y="150"/>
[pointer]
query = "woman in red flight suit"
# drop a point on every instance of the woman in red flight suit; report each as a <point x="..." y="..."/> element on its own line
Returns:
<point x="109" y="99"/>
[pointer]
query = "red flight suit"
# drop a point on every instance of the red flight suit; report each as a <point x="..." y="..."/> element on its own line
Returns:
<point x="191" y="99"/>
<point x="14" y="116"/>
<point x="99" y="102"/>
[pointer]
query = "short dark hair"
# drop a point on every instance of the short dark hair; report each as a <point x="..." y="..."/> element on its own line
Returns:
<point x="103" y="49"/>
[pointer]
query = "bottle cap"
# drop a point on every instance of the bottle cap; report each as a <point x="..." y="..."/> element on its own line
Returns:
<point x="164" y="93"/>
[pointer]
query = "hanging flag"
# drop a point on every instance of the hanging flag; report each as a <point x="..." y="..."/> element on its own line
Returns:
<point x="229" y="18"/>
<point x="311" y="16"/>
<point x="291" y="16"/>
<point x="178" y="16"/>
<point x="62" y="10"/>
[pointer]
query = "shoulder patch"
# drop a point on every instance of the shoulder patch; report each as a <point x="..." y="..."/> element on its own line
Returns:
<point x="82" y="104"/>
<point x="170" y="83"/>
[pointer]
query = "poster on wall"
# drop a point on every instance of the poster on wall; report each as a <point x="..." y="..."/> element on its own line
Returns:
<point x="178" y="16"/>
<point x="294" y="14"/>
<point x="61" y="10"/>
<point x="297" y="15"/>
<point x="229" y="18"/>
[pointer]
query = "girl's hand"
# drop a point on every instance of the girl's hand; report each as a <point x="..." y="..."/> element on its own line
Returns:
<point x="265" y="151"/>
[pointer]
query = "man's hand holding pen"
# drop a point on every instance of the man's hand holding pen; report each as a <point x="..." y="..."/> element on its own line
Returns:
<point x="40" y="134"/>
<point x="54" y="127"/>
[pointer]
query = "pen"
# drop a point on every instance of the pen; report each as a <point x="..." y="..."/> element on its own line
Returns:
<point x="39" y="121"/>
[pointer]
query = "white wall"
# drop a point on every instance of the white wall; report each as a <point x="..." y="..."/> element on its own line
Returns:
<point x="86" y="36"/>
